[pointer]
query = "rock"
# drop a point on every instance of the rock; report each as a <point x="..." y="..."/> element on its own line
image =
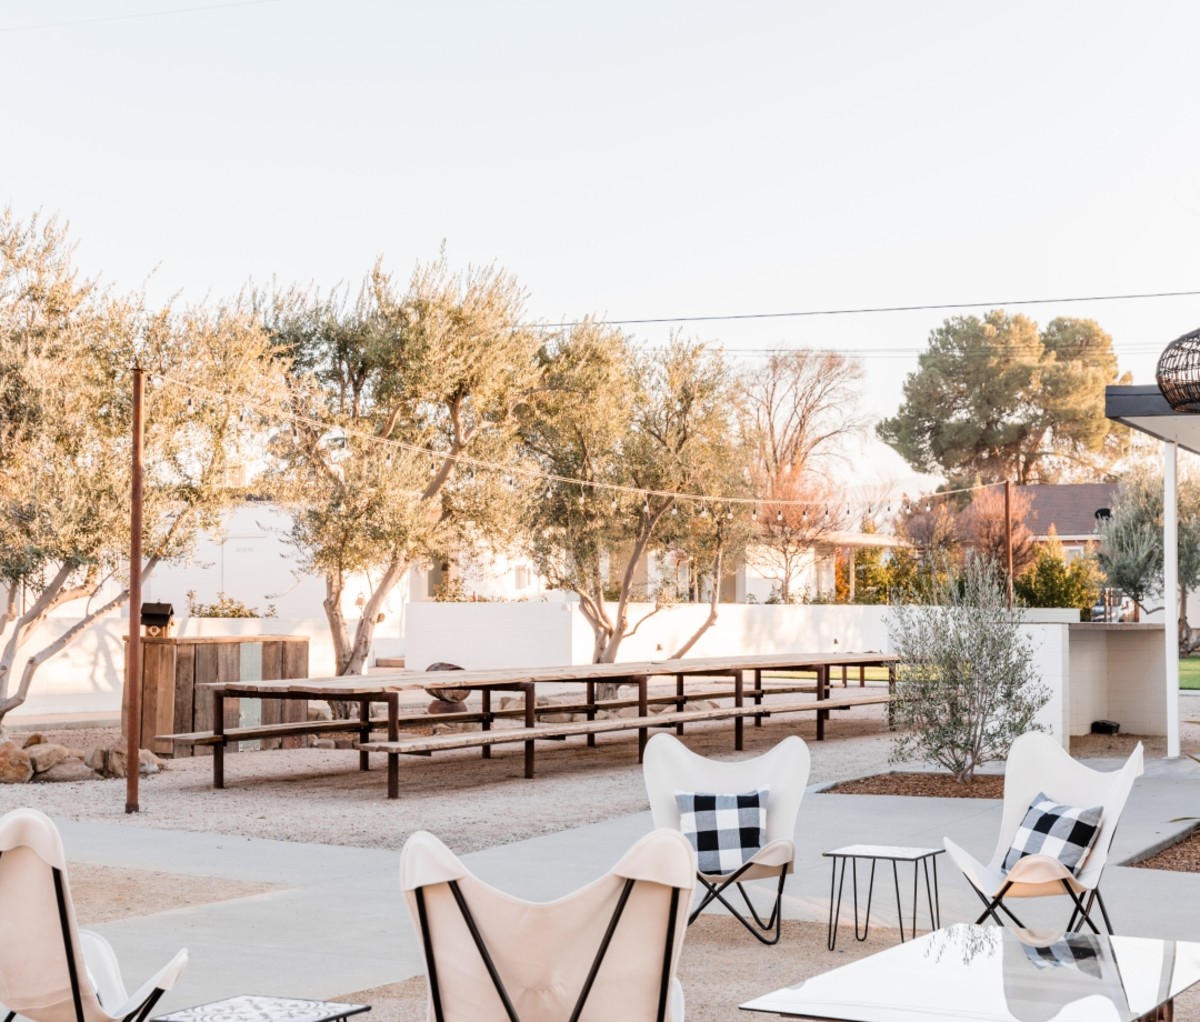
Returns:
<point x="148" y="763"/>
<point x="68" y="770"/>
<point x="445" y="706"/>
<point x="15" y="765"/>
<point x="344" y="743"/>
<point x="45" y="755"/>
<point x="464" y="725"/>
<point x="322" y="743"/>
<point x="107" y="762"/>
<point x="446" y="694"/>
<point x="319" y="711"/>
<point x="33" y="738"/>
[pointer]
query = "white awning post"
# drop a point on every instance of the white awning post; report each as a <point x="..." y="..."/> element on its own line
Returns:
<point x="1171" y="591"/>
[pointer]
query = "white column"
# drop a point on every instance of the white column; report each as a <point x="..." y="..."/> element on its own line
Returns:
<point x="1171" y="592"/>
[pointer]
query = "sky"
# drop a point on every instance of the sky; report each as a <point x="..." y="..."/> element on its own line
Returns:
<point x="633" y="160"/>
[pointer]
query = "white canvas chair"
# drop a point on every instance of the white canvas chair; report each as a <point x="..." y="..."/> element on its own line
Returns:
<point x="670" y="767"/>
<point x="49" y="970"/>
<point x="1037" y="764"/>
<point x="606" y="951"/>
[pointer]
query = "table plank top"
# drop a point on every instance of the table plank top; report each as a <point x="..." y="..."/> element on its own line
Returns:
<point x="383" y="682"/>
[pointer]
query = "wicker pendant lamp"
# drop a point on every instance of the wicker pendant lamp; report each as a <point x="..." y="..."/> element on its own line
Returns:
<point x="1178" y="373"/>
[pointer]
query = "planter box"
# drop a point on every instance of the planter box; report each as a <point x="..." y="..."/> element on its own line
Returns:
<point x="172" y="668"/>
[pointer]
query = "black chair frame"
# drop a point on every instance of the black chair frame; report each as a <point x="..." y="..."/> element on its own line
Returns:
<point x="1082" y="908"/>
<point x="139" y="1015"/>
<point x="498" y="982"/>
<point x="716" y="892"/>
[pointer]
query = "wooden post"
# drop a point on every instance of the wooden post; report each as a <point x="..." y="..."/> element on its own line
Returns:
<point x="1008" y="541"/>
<point x="133" y="651"/>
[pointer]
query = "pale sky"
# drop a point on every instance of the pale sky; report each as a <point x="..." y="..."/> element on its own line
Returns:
<point x="632" y="159"/>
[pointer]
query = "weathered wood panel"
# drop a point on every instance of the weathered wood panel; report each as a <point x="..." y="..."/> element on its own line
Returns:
<point x="185" y="687"/>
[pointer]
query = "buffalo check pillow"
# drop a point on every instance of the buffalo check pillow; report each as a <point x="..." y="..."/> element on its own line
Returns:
<point x="1065" y="833"/>
<point x="725" y="830"/>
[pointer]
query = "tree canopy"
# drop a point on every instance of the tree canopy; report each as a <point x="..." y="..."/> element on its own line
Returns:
<point x="645" y="427"/>
<point x="994" y="399"/>
<point x="404" y="407"/>
<point x="67" y="350"/>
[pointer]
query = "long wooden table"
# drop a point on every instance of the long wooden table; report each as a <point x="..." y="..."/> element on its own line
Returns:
<point x="386" y="688"/>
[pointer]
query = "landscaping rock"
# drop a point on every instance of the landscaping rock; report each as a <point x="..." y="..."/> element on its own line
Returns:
<point x="148" y="763"/>
<point x="107" y="762"/>
<point x="322" y="743"/>
<point x="446" y="694"/>
<point x="68" y="770"/>
<point x="43" y="756"/>
<point x="319" y="711"/>
<point x="33" y="738"/>
<point x="15" y="765"/>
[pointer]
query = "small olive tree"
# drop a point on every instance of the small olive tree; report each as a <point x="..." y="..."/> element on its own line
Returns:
<point x="965" y="685"/>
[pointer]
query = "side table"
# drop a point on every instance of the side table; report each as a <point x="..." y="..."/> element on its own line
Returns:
<point x="253" y="1008"/>
<point x="921" y="858"/>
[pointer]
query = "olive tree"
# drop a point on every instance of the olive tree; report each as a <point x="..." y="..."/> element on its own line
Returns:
<point x="67" y="348"/>
<point x="398" y="428"/>
<point x="636" y="429"/>
<point x="966" y="685"/>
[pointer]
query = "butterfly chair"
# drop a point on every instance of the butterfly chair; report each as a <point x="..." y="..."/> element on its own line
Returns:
<point x="740" y="815"/>
<point x="49" y="970"/>
<point x="607" y="951"/>
<point x="1051" y="802"/>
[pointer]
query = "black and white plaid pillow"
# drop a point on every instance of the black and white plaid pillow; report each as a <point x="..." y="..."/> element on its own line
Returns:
<point x="1065" y="833"/>
<point x="725" y="830"/>
<point x="1079" y="951"/>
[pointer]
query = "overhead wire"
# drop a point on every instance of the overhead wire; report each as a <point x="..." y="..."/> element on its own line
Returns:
<point x="536" y="475"/>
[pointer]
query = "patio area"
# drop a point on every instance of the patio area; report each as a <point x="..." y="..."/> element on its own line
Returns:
<point x="278" y="894"/>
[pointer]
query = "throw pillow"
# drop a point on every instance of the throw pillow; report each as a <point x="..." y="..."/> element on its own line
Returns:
<point x="725" y="830"/>
<point x="1066" y="833"/>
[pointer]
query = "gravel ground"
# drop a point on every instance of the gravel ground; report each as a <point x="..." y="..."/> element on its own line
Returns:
<point x="319" y="795"/>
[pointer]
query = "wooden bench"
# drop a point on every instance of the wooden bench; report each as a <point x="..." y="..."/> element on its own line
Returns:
<point x="427" y="745"/>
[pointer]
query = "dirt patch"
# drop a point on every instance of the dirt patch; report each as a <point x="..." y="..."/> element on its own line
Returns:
<point x="922" y="784"/>
<point x="105" y="893"/>
<point x="1182" y="857"/>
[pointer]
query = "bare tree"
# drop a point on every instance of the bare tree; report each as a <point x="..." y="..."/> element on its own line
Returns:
<point x="796" y="408"/>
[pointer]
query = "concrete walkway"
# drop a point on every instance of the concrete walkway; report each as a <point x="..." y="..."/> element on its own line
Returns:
<point x="339" y="923"/>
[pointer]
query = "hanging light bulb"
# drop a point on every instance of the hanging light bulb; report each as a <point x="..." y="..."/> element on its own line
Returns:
<point x="703" y="510"/>
<point x="190" y="408"/>
<point x="645" y="505"/>
<point x="729" y="514"/>
<point x="754" y="513"/>
<point x="614" y="503"/>
<point x="779" y="517"/>
<point x="674" y="509"/>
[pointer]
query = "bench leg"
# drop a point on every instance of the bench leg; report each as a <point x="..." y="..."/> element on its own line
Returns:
<point x="822" y="693"/>
<point x="487" y="720"/>
<point x="643" y="683"/>
<point x="219" y="731"/>
<point x="680" y="701"/>
<point x="364" y="733"/>
<point x="393" y="758"/>
<point x="738" y="722"/>
<point x="591" y="712"/>
<point x="758" y="695"/>
<point x="530" y="721"/>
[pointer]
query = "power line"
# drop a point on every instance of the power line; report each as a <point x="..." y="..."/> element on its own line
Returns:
<point x="132" y="17"/>
<point x="937" y="307"/>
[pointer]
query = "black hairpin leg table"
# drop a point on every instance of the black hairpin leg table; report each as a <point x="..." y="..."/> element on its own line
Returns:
<point x="922" y="860"/>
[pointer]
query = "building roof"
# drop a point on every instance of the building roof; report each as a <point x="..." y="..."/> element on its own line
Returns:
<point x="1070" y="507"/>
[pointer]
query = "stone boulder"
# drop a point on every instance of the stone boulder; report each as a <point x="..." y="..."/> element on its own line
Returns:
<point x="446" y="694"/>
<point x="68" y="770"/>
<point x="15" y="765"/>
<point x="111" y="761"/>
<point x="32" y="739"/>
<point x="45" y="755"/>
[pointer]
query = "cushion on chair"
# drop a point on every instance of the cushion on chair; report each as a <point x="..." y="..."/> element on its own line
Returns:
<point x="1065" y="833"/>
<point x="725" y="830"/>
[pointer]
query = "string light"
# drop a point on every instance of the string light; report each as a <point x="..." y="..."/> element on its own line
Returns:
<point x="537" y="476"/>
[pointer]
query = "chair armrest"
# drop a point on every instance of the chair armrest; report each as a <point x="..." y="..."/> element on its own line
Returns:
<point x="1038" y="869"/>
<point x="164" y="979"/>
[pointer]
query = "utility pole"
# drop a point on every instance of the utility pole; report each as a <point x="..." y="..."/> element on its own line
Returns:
<point x="133" y="649"/>
<point x="1008" y="553"/>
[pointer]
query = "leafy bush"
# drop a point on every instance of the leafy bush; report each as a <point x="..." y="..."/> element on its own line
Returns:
<point x="226" y="606"/>
<point x="965" y="685"/>
<point x="1052" y="581"/>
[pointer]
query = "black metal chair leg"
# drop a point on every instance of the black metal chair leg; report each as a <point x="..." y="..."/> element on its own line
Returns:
<point x="716" y="892"/>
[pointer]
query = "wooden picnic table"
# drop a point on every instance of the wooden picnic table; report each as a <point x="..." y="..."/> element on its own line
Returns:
<point x="386" y="688"/>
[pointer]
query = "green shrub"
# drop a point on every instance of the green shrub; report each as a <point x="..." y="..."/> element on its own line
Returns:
<point x="226" y="606"/>
<point x="965" y="685"/>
